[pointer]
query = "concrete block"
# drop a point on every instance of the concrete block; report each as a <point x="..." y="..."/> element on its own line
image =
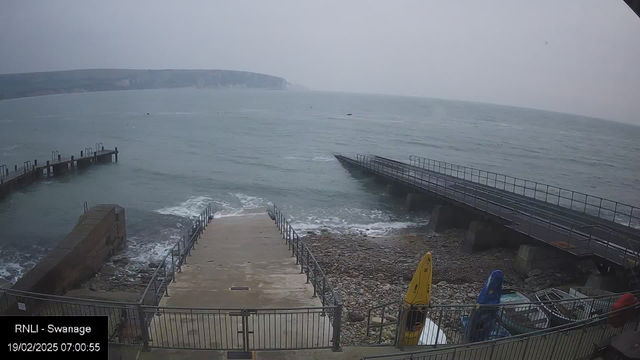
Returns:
<point x="416" y="202"/>
<point x="609" y="282"/>
<point x="396" y="190"/>
<point x="536" y="257"/>
<point x="80" y="254"/>
<point x="441" y="218"/>
<point x="481" y="236"/>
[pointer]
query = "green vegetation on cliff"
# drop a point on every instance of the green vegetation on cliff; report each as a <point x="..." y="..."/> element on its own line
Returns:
<point x="61" y="82"/>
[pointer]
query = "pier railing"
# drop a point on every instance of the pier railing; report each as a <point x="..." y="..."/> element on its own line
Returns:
<point x="314" y="273"/>
<point x="241" y="329"/>
<point x="570" y="341"/>
<point x="611" y="210"/>
<point x="576" y="238"/>
<point x="165" y="272"/>
<point x="308" y="263"/>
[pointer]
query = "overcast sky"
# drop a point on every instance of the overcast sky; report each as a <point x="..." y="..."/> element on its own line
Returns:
<point x="576" y="56"/>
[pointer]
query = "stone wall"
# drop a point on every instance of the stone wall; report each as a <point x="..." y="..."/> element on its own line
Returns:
<point x="97" y="235"/>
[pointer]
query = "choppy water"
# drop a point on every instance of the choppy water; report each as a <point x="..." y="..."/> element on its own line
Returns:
<point x="241" y="150"/>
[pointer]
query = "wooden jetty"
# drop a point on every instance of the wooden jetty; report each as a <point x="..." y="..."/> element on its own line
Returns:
<point x="19" y="177"/>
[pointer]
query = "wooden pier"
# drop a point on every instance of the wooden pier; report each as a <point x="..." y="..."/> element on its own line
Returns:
<point x="18" y="177"/>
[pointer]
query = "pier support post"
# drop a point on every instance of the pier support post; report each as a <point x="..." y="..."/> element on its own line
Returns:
<point x="72" y="162"/>
<point x="416" y="202"/>
<point x="608" y="282"/>
<point x="441" y="218"/>
<point x="48" y="169"/>
<point x="537" y="257"/>
<point x="482" y="235"/>
<point x="447" y="216"/>
<point x="116" y="154"/>
<point x="394" y="189"/>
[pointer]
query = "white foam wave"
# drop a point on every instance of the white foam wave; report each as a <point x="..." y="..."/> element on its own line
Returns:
<point x="373" y="229"/>
<point x="5" y="121"/>
<point x="381" y="224"/>
<point x="247" y="204"/>
<point x="142" y="252"/>
<point x="192" y="207"/>
<point x="10" y="147"/>
<point x="251" y="202"/>
<point x="12" y="267"/>
<point x="227" y="210"/>
<point x="11" y="270"/>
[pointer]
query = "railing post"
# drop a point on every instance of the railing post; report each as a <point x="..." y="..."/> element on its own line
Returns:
<point x="337" y="327"/>
<point x="179" y="258"/>
<point x="293" y="245"/>
<point x="307" y="266"/>
<point x="164" y="274"/>
<point x="300" y="258"/>
<point x="322" y="298"/>
<point x="600" y="208"/>
<point x="143" y="328"/>
<point x="313" y="275"/>
<point x="402" y="321"/>
<point x="173" y="268"/>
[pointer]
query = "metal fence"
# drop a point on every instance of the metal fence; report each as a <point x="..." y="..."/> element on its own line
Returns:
<point x="172" y="262"/>
<point x="606" y="209"/>
<point x="570" y="341"/>
<point x="539" y="224"/>
<point x="308" y="263"/>
<point x="461" y="324"/>
<point x="242" y="329"/>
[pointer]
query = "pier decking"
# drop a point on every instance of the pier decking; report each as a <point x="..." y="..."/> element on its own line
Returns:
<point x="579" y="232"/>
<point x="18" y="177"/>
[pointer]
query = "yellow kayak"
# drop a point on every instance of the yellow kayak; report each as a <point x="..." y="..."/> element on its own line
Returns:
<point x="419" y="293"/>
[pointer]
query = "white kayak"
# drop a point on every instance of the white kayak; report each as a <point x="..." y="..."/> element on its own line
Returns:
<point x="431" y="332"/>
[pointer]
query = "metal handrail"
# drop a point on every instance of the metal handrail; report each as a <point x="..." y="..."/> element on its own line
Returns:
<point x="175" y="257"/>
<point x="307" y="261"/>
<point x="445" y="187"/>
<point x="583" y="324"/>
<point x="475" y="175"/>
<point x="635" y="248"/>
<point x="599" y="303"/>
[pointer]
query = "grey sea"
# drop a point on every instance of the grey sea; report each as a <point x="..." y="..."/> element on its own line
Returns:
<point x="242" y="150"/>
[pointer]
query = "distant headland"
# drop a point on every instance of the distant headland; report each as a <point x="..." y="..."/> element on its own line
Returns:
<point x="90" y="80"/>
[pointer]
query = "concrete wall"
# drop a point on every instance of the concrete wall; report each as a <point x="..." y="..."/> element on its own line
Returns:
<point x="540" y="257"/>
<point x="96" y="236"/>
